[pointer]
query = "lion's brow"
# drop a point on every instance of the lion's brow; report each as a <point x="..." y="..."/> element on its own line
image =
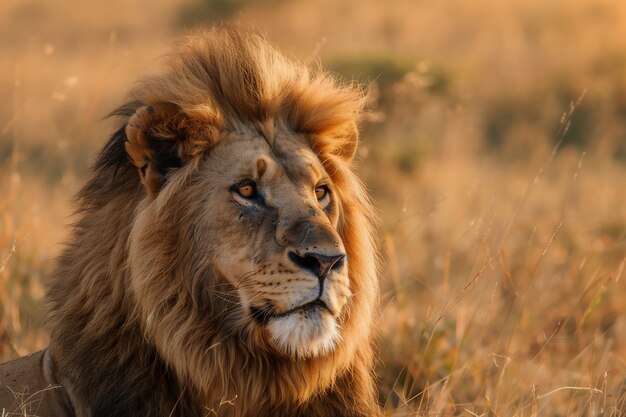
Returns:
<point x="314" y="169"/>
<point x="261" y="167"/>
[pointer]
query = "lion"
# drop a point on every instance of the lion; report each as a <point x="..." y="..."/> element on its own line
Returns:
<point x="223" y="259"/>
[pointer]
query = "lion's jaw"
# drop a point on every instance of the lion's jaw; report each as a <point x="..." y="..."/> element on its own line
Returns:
<point x="302" y="318"/>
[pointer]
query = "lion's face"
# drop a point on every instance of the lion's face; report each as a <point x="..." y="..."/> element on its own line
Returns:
<point x="273" y="214"/>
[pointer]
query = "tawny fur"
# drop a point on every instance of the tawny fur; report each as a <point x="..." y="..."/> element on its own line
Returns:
<point x="133" y="330"/>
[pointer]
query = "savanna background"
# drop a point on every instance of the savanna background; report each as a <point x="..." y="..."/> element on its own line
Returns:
<point x="494" y="148"/>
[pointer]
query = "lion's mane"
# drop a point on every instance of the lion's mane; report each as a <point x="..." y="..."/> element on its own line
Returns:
<point x="180" y="360"/>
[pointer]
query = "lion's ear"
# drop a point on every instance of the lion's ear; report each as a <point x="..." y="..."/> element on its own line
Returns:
<point x="157" y="139"/>
<point x="153" y="136"/>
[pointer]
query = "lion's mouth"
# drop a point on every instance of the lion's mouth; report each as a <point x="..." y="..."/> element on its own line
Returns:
<point x="262" y="315"/>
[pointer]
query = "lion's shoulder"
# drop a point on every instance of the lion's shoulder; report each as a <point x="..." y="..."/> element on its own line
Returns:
<point x="28" y="388"/>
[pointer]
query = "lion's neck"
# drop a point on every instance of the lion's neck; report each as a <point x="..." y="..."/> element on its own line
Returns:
<point x="96" y="341"/>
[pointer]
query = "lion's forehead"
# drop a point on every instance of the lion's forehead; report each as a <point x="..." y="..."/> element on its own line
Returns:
<point x="289" y="157"/>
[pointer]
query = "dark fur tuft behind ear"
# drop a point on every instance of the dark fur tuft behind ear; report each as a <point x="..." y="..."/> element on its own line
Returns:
<point x="113" y="155"/>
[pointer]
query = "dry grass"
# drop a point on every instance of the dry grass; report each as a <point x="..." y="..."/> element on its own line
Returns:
<point x="501" y="193"/>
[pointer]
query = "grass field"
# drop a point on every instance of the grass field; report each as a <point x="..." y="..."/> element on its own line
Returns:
<point x="495" y="149"/>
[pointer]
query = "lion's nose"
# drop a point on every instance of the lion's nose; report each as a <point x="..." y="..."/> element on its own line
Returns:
<point x="318" y="263"/>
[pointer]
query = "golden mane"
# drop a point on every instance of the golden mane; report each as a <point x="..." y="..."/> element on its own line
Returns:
<point x="227" y="79"/>
<point x="115" y="360"/>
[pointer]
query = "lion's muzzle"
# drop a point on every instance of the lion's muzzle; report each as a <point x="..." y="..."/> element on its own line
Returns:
<point x="303" y="316"/>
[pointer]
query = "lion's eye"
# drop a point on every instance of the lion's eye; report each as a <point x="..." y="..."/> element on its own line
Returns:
<point x="247" y="189"/>
<point x="321" y="192"/>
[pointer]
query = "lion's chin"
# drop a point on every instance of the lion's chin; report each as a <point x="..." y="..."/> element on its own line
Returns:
<point x="304" y="334"/>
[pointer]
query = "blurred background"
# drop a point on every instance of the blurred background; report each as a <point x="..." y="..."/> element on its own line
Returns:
<point x="494" y="148"/>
